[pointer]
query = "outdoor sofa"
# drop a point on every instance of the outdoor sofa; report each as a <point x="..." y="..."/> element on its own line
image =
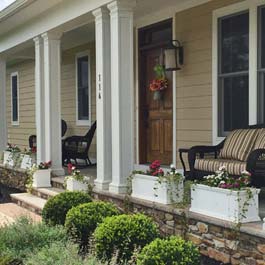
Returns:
<point x="243" y="149"/>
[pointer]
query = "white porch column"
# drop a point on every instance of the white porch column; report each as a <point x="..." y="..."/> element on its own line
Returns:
<point x="39" y="99"/>
<point x="3" y="125"/>
<point x="52" y="100"/>
<point x="103" y="101"/>
<point x="121" y="17"/>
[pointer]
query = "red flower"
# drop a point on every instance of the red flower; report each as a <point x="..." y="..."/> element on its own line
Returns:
<point x="70" y="168"/>
<point x="34" y="149"/>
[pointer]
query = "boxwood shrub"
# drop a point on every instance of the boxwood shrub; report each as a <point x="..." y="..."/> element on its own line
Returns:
<point x="122" y="234"/>
<point x="82" y="220"/>
<point x="170" y="251"/>
<point x="56" y="208"/>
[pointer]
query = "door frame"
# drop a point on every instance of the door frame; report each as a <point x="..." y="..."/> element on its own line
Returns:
<point x="137" y="99"/>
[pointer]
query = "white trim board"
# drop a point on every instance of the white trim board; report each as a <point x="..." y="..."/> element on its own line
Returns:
<point x="14" y="123"/>
<point x="77" y="56"/>
<point x="252" y="6"/>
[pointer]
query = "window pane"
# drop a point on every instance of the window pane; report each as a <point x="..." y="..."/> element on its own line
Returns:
<point x="262" y="38"/>
<point x="14" y="99"/>
<point x="234" y="106"/>
<point x="234" y="43"/>
<point x="83" y="95"/>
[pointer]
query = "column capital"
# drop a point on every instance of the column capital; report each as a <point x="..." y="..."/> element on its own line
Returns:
<point x="101" y="12"/>
<point x="51" y="36"/>
<point x="122" y="5"/>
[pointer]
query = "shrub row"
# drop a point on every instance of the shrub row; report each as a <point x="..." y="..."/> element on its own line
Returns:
<point x="115" y="233"/>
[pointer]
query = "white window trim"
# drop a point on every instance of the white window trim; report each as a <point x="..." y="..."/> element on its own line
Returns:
<point x="83" y="122"/>
<point x="252" y="7"/>
<point x="14" y="123"/>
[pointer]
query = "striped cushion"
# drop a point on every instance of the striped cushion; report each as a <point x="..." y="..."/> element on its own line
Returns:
<point x="239" y="144"/>
<point x="212" y="165"/>
<point x="260" y="141"/>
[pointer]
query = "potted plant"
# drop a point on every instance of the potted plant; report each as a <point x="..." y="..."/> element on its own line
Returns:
<point x="41" y="175"/>
<point x="226" y="197"/>
<point x="76" y="181"/>
<point x="26" y="158"/>
<point x="10" y="155"/>
<point x="159" y="84"/>
<point x="157" y="186"/>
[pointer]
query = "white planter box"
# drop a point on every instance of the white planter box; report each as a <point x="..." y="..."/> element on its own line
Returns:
<point x="8" y="159"/>
<point x="225" y="204"/>
<point x="26" y="162"/>
<point x="74" y="185"/>
<point x="148" y="188"/>
<point x="42" y="178"/>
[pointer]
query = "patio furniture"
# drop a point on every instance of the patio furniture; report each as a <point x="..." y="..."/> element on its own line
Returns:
<point x="243" y="149"/>
<point x="33" y="138"/>
<point x="77" y="147"/>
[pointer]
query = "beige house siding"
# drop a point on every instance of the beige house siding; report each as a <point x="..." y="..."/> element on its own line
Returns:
<point x="19" y="134"/>
<point x="194" y="81"/>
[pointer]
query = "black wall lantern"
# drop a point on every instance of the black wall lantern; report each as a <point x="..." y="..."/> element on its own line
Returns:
<point x="173" y="56"/>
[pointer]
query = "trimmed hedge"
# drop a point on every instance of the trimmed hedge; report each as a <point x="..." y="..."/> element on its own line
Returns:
<point x="170" y="251"/>
<point x="56" y="208"/>
<point x="82" y="220"/>
<point x="122" y="234"/>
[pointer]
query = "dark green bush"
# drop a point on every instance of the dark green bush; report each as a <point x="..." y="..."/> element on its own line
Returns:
<point x="82" y="220"/>
<point x="170" y="251"/>
<point x="56" y="208"/>
<point x="123" y="233"/>
<point x="20" y="239"/>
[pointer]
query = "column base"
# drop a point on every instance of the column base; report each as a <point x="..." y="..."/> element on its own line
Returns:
<point x="119" y="189"/>
<point x="102" y="185"/>
<point x="58" y="171"/>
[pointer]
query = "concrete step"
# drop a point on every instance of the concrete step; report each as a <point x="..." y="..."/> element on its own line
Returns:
<point x="58" y="182"/>
<point x="9" y="212"/>
<point x="29" y="202"/>
<point x="46" y="193"/>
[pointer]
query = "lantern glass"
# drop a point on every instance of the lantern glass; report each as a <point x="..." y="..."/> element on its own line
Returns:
<point x="170" y="59"/>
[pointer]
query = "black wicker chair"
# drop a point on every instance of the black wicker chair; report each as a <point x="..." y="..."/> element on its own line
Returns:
<point x="255" y="163"/>
<point x="33" y="138"/>
<point x="77" y="147"/>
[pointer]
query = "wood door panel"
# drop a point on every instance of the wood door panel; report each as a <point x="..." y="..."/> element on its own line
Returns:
<point x="168" y="135"/>
<point x="154" y="135"/>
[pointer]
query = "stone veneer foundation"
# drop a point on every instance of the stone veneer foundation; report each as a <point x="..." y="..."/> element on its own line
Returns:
<point x="216" y="239"/>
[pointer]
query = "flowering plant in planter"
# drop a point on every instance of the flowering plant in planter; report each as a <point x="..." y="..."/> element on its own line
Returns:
<point x="160" y="83"/>
<point x="10" y="156"/>
<point x="222" y="179"/>
<point x="76" y="180"/>
<point x="27" y="158"/>
<point x="158" y="186"/>
<point x="39" y="176"/>
<point x="232" y="198"/>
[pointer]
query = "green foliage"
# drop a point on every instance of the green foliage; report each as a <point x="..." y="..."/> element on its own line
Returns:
<point x="56" y="208"/>
<point x="82" y="220"/>
<point x="18" y="240"/>
<point x="6" y="260"/>
<point x="124" y="234"/>
<point x="170" y="251"/>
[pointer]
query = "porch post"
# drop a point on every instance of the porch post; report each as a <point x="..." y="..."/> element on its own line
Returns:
<point x="121" y="17"/>
<point x="3" y="125"/>
<point x="103" y="98"/>
<point x="52" y="100"/>
<point x="39" y="102"/>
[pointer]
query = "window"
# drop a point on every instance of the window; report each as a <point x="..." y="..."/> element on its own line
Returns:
<point x="233" y="72"/>
<point x="261" y="66"/>
<point x="14" y="99"/>
<point x="83" y="89"/>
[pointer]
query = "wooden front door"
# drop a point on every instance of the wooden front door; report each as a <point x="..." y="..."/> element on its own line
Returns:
<point x="155" y="116"/>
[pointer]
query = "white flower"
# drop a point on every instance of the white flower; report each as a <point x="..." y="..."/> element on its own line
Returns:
<point x="172" y="166"/>
<point x="222" y="182"/>
<point x="222" y="168"/>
